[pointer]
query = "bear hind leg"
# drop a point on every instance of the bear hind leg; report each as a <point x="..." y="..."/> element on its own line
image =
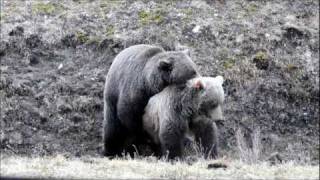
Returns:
<point x="113" y="133"/>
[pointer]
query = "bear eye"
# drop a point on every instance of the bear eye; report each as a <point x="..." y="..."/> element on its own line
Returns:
<point x="214" y="105"/>
<point x="165" y="66"/>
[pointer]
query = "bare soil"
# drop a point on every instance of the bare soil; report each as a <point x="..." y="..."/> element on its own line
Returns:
<point x="55" y="55"/>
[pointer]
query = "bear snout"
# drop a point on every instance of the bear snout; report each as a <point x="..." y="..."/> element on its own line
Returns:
<point x="183" y="77"/>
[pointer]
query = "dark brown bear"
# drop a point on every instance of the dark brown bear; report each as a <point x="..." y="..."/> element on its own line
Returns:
<point x="136" y="74"/>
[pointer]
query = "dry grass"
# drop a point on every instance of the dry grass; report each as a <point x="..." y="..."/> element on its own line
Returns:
<point x="146" y="168"/>
<point x="246" y="153"/>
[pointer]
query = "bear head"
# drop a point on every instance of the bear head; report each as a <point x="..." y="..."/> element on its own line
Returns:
<point x="209" y="96"/>
<point x="172" y="67"/>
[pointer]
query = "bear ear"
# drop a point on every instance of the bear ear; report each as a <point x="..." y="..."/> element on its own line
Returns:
<point x="220" y="79"/>
<point x="165" y="65"/>
<point x="198" y="84"/>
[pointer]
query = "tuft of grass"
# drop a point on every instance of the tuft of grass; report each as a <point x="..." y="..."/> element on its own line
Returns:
<point x="78" y="1"/>
<point x="109" y="3"/>
<point x="252" y="8"/>
<point x="188" y="12"/>
<point x="143" y="14"/>
<point x="10" y="10"/>
<point x="82" y="37"/>
<point x="94" y="40"/>
<point x="261" y="60"/>
<point x="291" y="67"/>
<point x="261" y="56"/>
<point x="110" y="30"/>
<point x="148" y="17"/>
<point x="229" y="63"/>
<point x="144" y="17"/>
<point x="248" y="154"/>
<point x="47" y="8"/>
<point x="2" y="16"/>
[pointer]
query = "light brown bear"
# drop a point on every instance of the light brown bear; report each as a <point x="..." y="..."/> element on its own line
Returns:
<point x="180" y="109"/>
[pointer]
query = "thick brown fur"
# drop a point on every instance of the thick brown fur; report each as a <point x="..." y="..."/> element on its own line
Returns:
<point x="179" y="109"/>
<point x="136" y="74"/>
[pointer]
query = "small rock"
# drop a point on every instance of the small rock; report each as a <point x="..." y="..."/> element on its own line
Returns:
<point x="290" y="18"/>
<point x="60" y="66"/>
<point x="113" y="44"/>
<point x="239" y="38"/>
<point x="43" y="115"/>
<point x="33" y="41"/>
<point x="16" y="138"/>
<point x="2" y="137"/>
<point x="292" y="31"/>
<point x="76" y="118"/>
<point x="63" y="106"/>
<point x="217" y="165"/>
<point x="33" y="59"/>
<point x="196" y="29"/>
<point x="18" y="31"/>
<point x="4" y="68"/>
<point x="21" y="87"/>
<point x="70" y="40"/>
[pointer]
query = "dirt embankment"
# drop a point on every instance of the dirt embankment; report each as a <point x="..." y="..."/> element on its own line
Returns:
<point x="55" y="54"/>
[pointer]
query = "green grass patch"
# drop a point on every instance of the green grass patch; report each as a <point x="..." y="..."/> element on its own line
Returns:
<point x="47" y="8"/>
<point x="261" y="60"/>
<point x="94" y="40"/>
<point x="292" y="67"/>
<point x="261" y="56"/>
<point x="251" y="8"/>
<point x="188" y="12"/>
<point x="154" y="16"/>
<point x="110" y="3"/>
<point x="110" y="30"/>
<point x="82" y="37"/>
<point x="229" y="63"/>
<point x="2" y="16"/>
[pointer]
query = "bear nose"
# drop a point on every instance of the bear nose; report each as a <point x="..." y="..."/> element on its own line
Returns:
<point x="194" y="73"/>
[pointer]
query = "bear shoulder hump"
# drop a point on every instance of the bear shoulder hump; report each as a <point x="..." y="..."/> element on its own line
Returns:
<point x="148" y="51"/>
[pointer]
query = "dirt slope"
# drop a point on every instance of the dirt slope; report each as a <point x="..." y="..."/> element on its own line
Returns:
<point x="55" y="54"/>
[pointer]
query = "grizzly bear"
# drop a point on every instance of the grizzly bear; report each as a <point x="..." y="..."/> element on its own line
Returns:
<point x="136" y="74"/>
<point x="176" y="111"/>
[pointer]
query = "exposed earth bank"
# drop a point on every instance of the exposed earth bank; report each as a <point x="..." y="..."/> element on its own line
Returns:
<point x="55" y="54"/>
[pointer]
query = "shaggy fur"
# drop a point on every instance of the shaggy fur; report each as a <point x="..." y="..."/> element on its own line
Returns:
<point x="136" y="74"/>
<point x="180" y="109"/>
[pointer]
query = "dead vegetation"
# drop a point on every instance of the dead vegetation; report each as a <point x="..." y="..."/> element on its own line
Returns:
<point x="149" y="168"/>
<point x="249" y="154"/>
